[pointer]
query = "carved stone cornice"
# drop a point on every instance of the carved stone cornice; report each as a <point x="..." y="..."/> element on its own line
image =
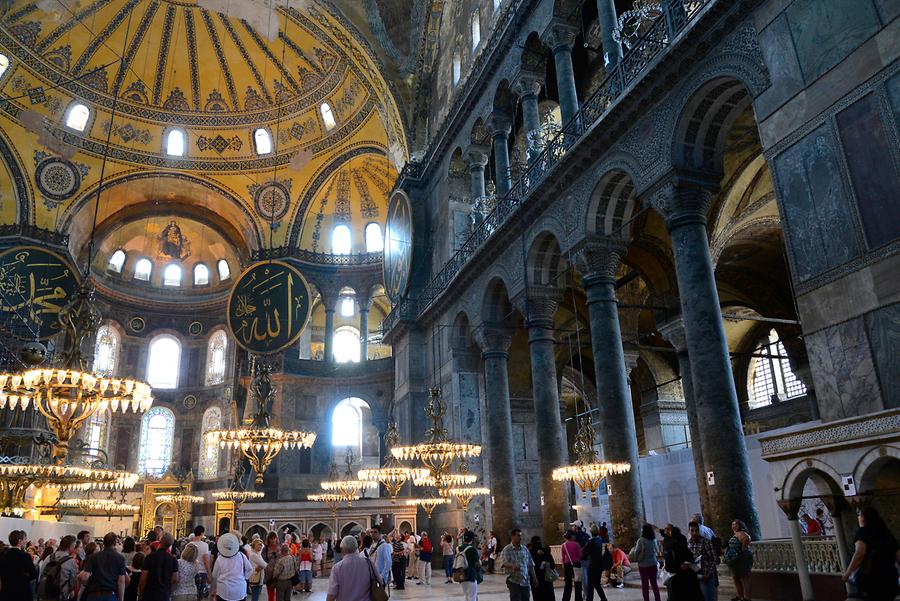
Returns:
<point x="560" y="34"/>
<point x="871" y="429"/>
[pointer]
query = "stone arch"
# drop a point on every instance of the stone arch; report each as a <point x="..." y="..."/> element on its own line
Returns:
<point x="545" y="262"/>
<point x="478" y="135"/>
<point x="611" y="205"/>
<point x="704" y="122"/>
<point x="21" y="188"/>
<point x="318" y="530"/>
<point x="351" y="528"/>
<point x="504" y="99"/>
<point x="825" y="477"/>
<point x="534" y="54"/>
<point x="870" y="464"/>
<point x="458" y="176"/>
<point x="461" y="333"/>
<point x="256" y="529"/>
<point x="496" y="306"/>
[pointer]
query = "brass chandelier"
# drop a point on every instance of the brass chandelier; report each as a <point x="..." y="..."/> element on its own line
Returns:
<point x="259" y="442"/>
<point x="68" y="395"/>
<point x="588" y="471"/>
<point x="428" y="503"/>
<point x="393" y="474"/>
<point x="332" y="500"/>
<point x="348" y="488"/>
<point x="105" y="506"/>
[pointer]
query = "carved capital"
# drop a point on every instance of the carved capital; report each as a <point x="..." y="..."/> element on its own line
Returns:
<point x="494" y="339"/>
<point x="477" y="156"/>
<point x="498" y="124"/>
<point x="527" y="83"/>
<point x="683" y="198"/>
<point x="631" y="355"/>
<point x="560" y="34"/>
<point x="673" y="331"/>
<point x="539" y="305"/>
<point x="600" y="257"/>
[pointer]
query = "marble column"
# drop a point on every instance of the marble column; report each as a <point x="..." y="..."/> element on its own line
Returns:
<point x="560" y="37"/>
<point x="329" y="333"/>
<point x="612" y="50"/>
<point x="539" y="306"/>
<point x="527" y="86"/>
<point x="477" y="157"/>
<point x="673" y="331"/>
<point x="499" y="126"/>
<point x="598" y="261"/>
<point x="683" y="201"/>
<point x="363" y="329"/>
<point x="837" y="505"/>
<point x="791" y="508"/>
<point x="494" y="342"/>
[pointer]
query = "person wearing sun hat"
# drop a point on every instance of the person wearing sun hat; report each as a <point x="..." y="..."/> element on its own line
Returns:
<point x="231" y="570"/>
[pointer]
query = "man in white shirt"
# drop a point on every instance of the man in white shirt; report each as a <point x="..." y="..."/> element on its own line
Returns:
<point x="413" y="555"/>
<point x="204" y="558"/>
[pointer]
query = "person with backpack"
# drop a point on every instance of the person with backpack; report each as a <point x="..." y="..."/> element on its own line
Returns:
<point x="467" y="567"/>
<point x="103" y="575"/>
<point x="60" y="573"/>
<point x="16" y="569"/>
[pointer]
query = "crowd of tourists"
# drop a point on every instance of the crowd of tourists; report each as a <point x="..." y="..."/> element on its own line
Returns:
<point x="369" y="565"/>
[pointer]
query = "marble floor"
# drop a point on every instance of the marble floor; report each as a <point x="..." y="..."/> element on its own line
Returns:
<point x="492" y="589"/>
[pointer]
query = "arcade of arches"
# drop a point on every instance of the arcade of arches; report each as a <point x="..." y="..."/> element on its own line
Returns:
<point x="674" y="221"/>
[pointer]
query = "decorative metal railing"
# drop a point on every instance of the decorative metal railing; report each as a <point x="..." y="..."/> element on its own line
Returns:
<point x="676" y="16"/>
<point x="309" y="256"/>
<point x="777" y="555"/>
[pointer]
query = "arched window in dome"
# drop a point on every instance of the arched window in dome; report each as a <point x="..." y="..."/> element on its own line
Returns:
<point x="142" y="269"/>
<point x="176" y="143"/>
<point x="106" y="351"/>
<point x="341" y="240"/>
<point x="348" y="306"/>
<point x="771" y="378"/>
<point x="224" y="270"/>
<point x="157" y="437"/>
<point x="216" y="354"/>
<point x="262" y="140"/>
<point x="476" y="30"/>
<point x="116" y="261"/>
<point x="172" y="275"/>
<point x="327" y="116"/>
<point x="4" y="64"/>
<point x="95" y="432"/>
<point x="346" y="345"/>
<point x="209" y="450"/>
<point x="163" y="362"/>
<point x="347" y="423"/>
<point x="374" y="239"/>
<point x="457" y="68"/>
<point x="77" y="116"/>
<point x="201" y="274"/>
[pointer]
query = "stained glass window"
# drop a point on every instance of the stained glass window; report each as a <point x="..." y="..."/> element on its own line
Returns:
<point x="216" y="353"/>
<point x="771" y="376"/>
<point x="106" y="351"/>
<point x="157" y="437"/>
<point x="163" y="362"/>
<point x="209" y="451"/>
<point x="95" y="432"/>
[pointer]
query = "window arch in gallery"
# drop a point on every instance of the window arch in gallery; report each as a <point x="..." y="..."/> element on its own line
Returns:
<point x="209" y="451"/>
<point x="771" y="377"/>
<point x="106" y="351"/>
<point x="374" y="239"/>
<point x="142" y="269"/>
<point x="476" y="30"/>
<point x="116" y="261"/>
<point x="346" y="345"/>
<point x="216" y="354"/>
<point x="341" y="240"/>
<point x="176" y="143"/>
<point x="95" y="432"/>
<point x="172" y="275"/>
<point x="163" y="362"/>
<point x="201" y="274"/>
<point x="224" y="270"/>
<point x="157" y="438"/>
<point x="347" y="423"/>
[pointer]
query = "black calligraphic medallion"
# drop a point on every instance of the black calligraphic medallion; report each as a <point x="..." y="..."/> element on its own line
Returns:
<point x="398" y="246"/>
<point x="268" y="307"/>
<point x="35" y="284"/>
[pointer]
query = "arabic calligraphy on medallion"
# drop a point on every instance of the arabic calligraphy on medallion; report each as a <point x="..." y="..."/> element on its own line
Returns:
<point x="398" y="244"/>
<point x="268" y="307"/>
<point x="34" y="285"/>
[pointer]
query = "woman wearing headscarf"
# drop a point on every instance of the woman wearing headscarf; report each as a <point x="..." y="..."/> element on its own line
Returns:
<point x="543" y="565"/>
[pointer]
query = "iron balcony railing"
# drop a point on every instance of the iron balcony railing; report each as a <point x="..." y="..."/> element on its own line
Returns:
<point x="676" y="16"/>
<point x="309" y="256"/>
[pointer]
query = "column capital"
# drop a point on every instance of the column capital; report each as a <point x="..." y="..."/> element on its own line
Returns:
<point x="673" y="331"/>
<point x="683" y="197"/>
<point x="498" y="124"/>
<point x="477" y="155"/>
<point x="560" y="34"/>
<point x="791" y="508"/>
<point x="494" y="340"/>
<point x="599" y="257"/>
<point x="631" y="356"/>
<point x="527" y="83"/>
<point x="539" y="305"/>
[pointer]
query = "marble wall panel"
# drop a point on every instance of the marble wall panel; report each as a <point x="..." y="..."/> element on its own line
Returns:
<point x="825" y="33"/>
<point x="893" y="92"/>
<point x="815" y="204"/>
<point x="843" y="371"/>
<point x="781" y="61"/>
<point x="888" y="9"/>
<point x="883" y="326"/>
<point x="874" y="176"/>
